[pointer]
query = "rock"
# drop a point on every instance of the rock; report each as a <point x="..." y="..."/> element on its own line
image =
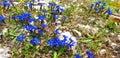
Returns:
<point x="4" y="52"/>
<point x="77" y="32"/>
<point x="5" y="30"/>
<point x="113" y="45"/>
<point x="119" y="37"/>
<point x="102" y="51"/>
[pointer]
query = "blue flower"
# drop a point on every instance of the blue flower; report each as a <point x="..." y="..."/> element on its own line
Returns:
<point x="63" y="42"/>
<point x="6" y="4"/>
<point x="92" y="5"/>
<point x="56" y="42"/>
<point x="33" y="0"/>
<point x="43" y="25"/>
<point x="64" y="18"/>
<point x="31" y="28"/>
<point x="35" y="41"/>
<point x="40" y="31"/>
<point x="20" y="17"/>
<point x="42" y="17"/>
<point x="11" y="1"/>
<point x="24" y="26"/>
<point x="97" y="3"/>
<point x="20" y="38"/>
<point x="102" y="7"/>
<point x="57" y="6"/>
<point x="62" y="10"/>
<point x="109" y="11"/>
<point x="50" y="42"/>
<point x="13" y="17"/>
<point x="96" y="10"/>
<point x="57" y="32"/>
<point x="104" y="4"/>
<point x="54" y="16"/>
<point x="30" y="19"/>
<point x="77" y="56"/>
<point x="65" y="37"/>
<point x="72" y="43"/>
<point x="90" y="54"/>
<point x="30" y="5"/>
<point x="25" y="15"/>
<point x="2" y="17"/>
<point x="44" y="11"/>
<point x="51" y="4"/>
<point x="55" y="11"/>
<point x="38" y="0"/>
<point x="1" y="36"/>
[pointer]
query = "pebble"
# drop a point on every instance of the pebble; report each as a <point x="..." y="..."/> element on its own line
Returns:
<point x="4" y="52"/>
<point x="102" y="51"/>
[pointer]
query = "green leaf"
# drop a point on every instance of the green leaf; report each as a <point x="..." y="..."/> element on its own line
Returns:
<point x="86" y="40"/>
<point x="55" y="55"/>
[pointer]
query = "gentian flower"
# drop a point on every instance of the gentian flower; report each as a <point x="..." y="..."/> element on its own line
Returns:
<point x="57" y="32"/>
<point x="33" y="0"/>
<point x="20" y="38"/>
<point x="5" y="4"/>
<point x="55" y="11"/>
<point x="35" y="41"/>
<point x="20" y="17"/>
<point x="50" y="42"/>
<point x="62" y="10"/>
<point x="55" y="16"/>
<point x="104" y="4"/>
<point x="96" y="10"/>
<point x="30" y="19"/>
<point x="24" y="26"/>
<point x="31" y="28"/>
<point x="42" y="17"/>
<point x="40" y="31"/>
<point x="69" y="45"/>
<point x="63" y="42"/>
<point x="90" y="54"/>
<point x="65" y="37"/>
<point x="77" y="56"/>
<point x="56" y="42"/>
<point x="92" y="5"/>
<point x="64" y="18"/>
<point x="30" y="5"/>
<point x="38" y="0"/>
<point x="57" y="6"/>
<point x="1" y="36"/>
<point x="43" y="25"/>
<point x="44" y="11"/>
<point x="11" y="1"/>
<point x="13" y="17"/>
<point x="51" y="4"/>
<point x="2" y="17"/>
<point x="109" y="11"/>
<point x="102" y="7"/>
<point x="97" y="3"/>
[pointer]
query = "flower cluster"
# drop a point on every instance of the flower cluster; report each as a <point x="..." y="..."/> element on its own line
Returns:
<point x="55" y="42"/>
<point x="20" y="38"/>
<point x="35" y="41"/>
<point x="100" y="7"/>
<point x="2" y="18"/>
<point x="90" y="55"/>
<point x="6" y="3"/>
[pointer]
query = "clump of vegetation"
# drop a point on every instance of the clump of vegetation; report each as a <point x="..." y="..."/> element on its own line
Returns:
<point x="33" y="29"/>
